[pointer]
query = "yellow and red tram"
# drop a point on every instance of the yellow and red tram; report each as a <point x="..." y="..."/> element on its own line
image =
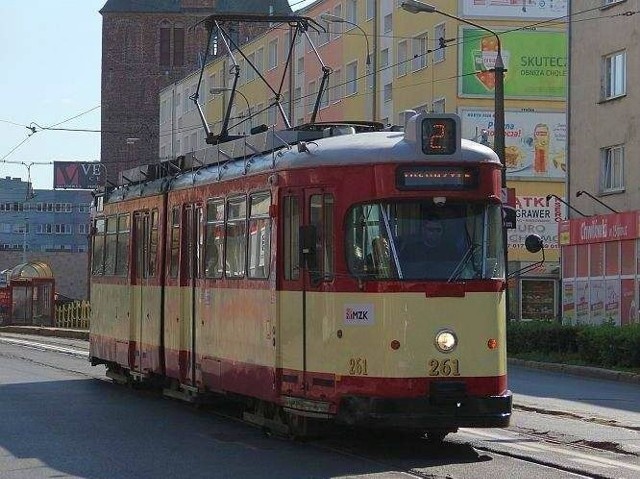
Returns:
<point x="283" y="277"/>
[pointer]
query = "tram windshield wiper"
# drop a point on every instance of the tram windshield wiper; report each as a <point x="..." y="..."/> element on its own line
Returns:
<point x="468" y="254"/>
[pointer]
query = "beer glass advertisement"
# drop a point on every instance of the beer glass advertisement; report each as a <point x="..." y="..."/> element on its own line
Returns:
<point x="535" y="142"/>
<point x="535" y="63"/>
<point x="582" y="302"/>
<point x="612" y="301"/>
<point x="597" y="298"/>
<point x="520" y="9"/>
<point x="629" y="312"/>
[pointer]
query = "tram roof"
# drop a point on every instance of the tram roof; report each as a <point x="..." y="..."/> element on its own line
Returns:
<point x="213" y="164"/>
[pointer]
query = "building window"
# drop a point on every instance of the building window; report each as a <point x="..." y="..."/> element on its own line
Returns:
<point x="371" y="9"/>
<point x="612" y="169"/>
<point x="337" y="86"/>
<point x="273" y="54"/>
<point x="438" y="106"/>
<point x="336" y="27"/>
<point x="352" y="78"/>
<point x="178" y="46"/>
<point x="402" y="58"/>
<point x="615" y="71"/>
<point x="420" y="50"/>
<point x="388" y="92"/>
<point x="384" y="58"/>
<point x="388" y="23"/>
<point x="439" y="48"/>
<point x="352" y="12"/>
<point x="165" y="44"/>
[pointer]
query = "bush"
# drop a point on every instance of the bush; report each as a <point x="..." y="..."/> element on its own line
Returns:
<point x="601" y="346"/>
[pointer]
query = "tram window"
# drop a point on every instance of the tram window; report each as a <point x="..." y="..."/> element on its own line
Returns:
<point x="321" y="216"/>
<point x="291" y="240"/>
<point x="122" y="248"/>
<point x="174" y="260"/>
<point x="111" y="242"/>
<point x="259" y="235"/>
<point x="153" y="243"/>
<point x="236" y="237"/>
<point x="214" y="239"/>
<point x="97" y="255"/>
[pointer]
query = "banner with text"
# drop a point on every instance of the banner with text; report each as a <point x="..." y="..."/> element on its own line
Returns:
<point x="535" y="63"/>
<point x="77" y="175"/>
<point x="520" y="9"/>
<point x="535" y="142"/>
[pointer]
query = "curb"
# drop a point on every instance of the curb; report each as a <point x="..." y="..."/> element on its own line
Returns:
<point x="585" y="371"/>
<point x="44" y="331"/>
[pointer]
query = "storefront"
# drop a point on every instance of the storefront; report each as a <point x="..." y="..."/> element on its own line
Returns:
<point x="600" y="269"/>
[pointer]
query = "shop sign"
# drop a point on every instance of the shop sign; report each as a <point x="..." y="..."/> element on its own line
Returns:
<point x="536" y="215"/>
<point x="597" y="229"/>
<point x="535" y="62"/>
<point x="535" y="142"/>
<point x="520" y="10"/>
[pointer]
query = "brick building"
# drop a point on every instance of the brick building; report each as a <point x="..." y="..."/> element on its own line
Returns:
<point x="147" y="45"/>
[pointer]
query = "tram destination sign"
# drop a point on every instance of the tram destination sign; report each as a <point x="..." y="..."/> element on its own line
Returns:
<point x="436" y="178"/>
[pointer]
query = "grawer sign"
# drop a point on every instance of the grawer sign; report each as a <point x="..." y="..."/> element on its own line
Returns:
<point x="535" y="63"/>
<point x="76" y="175"/>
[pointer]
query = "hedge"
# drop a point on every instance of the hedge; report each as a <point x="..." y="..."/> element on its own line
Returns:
<point x="601" y="346"/>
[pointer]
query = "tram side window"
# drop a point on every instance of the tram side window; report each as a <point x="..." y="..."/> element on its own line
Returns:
<point x="214" y="239"/>
<point x="236" y="237"/>
<point x="321" y="215"/>
<point x="97" y="255"/>
<point x="122" y="248"/>
<point x="259" y="235"/>
<point x="291" y="240"/>
<point x="111" y="242"/>
<point x="495" y="252"/>
<point x="153" y="244"/>
<point x="174" y="260"/>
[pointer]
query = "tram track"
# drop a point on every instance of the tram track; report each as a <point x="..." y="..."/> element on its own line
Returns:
<point x="530" y="447"/>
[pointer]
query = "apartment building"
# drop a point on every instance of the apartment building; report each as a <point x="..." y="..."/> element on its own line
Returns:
<point x="600" y="243"/>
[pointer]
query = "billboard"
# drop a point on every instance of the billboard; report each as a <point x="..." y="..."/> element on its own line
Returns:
<point x="526" y="155"/>
<point x="535" y="63"/>
<point x="516" y="9"/>
<point x="536" y="215"/>
<point x="78" y="175"/>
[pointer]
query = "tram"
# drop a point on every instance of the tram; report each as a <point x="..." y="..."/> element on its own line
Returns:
<point x="299" y="279"/>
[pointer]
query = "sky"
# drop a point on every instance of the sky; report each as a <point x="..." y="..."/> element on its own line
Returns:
<point x="50" y="61"/>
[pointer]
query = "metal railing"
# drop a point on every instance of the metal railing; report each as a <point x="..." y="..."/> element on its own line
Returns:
<point x="73" y="315"/>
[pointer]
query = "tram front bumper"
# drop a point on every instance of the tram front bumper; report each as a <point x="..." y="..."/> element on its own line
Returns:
<point x="426" y="412"/>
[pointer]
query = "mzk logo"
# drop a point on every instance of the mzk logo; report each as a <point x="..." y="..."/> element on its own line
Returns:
<point x="358" y="314"/>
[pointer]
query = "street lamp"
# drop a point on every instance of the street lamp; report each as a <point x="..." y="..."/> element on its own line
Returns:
<point x="218" y="90"/>
<point x="414" y="6"/>
<point x="328" y="17"/>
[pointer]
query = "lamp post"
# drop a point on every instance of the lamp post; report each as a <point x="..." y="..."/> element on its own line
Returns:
<point x="328" y="17"/>
<point x="218" y="90"/>
<point x="414" y="6"/>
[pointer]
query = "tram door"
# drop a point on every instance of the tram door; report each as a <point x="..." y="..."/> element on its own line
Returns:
<point x="189" y="272"/>
<point x="309" y="265"/>
<point x="146" y="312"/>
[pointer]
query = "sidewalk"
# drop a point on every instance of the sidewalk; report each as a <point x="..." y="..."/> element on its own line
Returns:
<point x="597" y="373"/>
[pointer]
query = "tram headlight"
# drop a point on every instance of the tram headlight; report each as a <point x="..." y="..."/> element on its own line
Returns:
<point x="446" y="341"/>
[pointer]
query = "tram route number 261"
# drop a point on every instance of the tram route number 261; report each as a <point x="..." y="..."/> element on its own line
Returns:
<point x="444" y="367"/>
<point x="358" y="367"/>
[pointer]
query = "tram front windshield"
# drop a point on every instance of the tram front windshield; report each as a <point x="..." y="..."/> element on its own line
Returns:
<point x="425" y="241"/>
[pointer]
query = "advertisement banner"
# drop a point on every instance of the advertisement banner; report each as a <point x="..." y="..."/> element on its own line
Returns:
<point x="568" y="303"/>
<point x="535" y="63"/>
<point x="516" y="9"/>
<point x="535" y="142"/>
<point x="629" y="312"/>
<point x="596" y="301"/>
<point x="612" y="302"/>
<point x="536" y="215"/>
<point x="77" y="175"/>
<point x="582" y="302"/>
